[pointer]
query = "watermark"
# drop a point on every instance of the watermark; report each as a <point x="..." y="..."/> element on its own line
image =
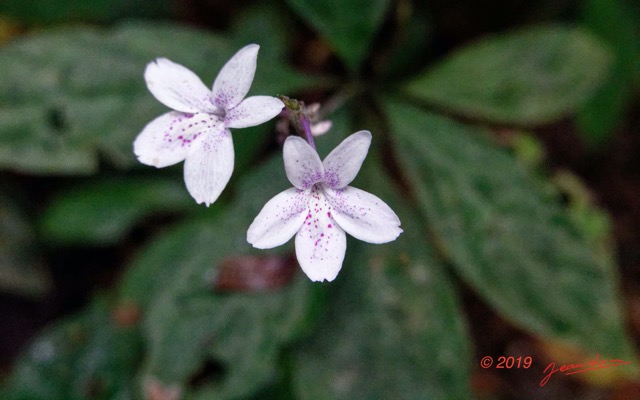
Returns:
<point x="511" y="362"/>
<point x="505" y="362"/>
<point x="572" y="369"/>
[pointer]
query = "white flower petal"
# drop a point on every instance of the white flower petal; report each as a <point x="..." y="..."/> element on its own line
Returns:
<point x="253" y="111"/>
<point x="167" y="139"/>
<point x="178" y="88"/>
<point x="320" y="243"/>
<point x="234" y="80"/>
<point x="209" y="166"/>
<point x="320" y="128"/>
<point x="301" y="163"/>
<point x="363" y="215"/>
<point x="342" y="165"/>
<point x="279" y="219"/>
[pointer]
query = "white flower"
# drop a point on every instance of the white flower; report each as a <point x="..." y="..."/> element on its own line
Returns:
<point x="197" y="131"/>
<point x="321" y="207"/>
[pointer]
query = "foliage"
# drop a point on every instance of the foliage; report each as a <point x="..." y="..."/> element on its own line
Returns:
<point x="617" y="23"/>
<point x="200" y="312"/>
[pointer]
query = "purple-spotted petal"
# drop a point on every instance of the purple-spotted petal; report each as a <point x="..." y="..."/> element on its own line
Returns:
<point x="279" y="219"/>
<point x="253" y="111"/>
<point x="177" y="87"/>
<point x="209" y="165"/>
<point x="342" y="165"/>
<point x="167" y="139"/>
<point x="234" y="80"/>
<point x="363" y="215"/>
<point x="301" y="163"/>
<point x="320" y="243"/>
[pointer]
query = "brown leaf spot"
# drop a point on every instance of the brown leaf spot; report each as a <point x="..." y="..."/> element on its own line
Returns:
<point x="254" y="273"/>
<point x="156" y="390"/>
<point x="126" y="314"/>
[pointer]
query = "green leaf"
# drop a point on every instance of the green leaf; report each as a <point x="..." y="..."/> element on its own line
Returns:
<point x="189" y="323"/>
<point x="412" y="46"/>
<point x="619" y="26"/>
<point x="531" y="76"/>
<point x="43" y="11"/>
<point x="604" y="112"/>
<point x="509" y="240"/>
<point x="394" y="328"/>
<point x="87" y="356"/>
<point x="21" y="266"/>
<point x="103" y="212"/>
<point x="348" y="25"/>
<point x="72" y="95"/>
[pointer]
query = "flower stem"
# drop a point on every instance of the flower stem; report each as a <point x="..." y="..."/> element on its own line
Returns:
<point x="299" y="118"/>
<point x="306" y="127"/>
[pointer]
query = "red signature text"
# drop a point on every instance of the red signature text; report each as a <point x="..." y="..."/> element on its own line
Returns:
<point x="571" y="369"/>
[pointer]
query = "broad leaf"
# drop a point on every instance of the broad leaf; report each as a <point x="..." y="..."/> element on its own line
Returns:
<point x="103" y="212"/>
<point x="69" y="96"/>
<point x="189" y="284"/>
<point x="21" y="265"/>
<point x="530" y="76"/>
<point x="619" y="25"/>
<point x="508" y="239"/>
<point x="88" y="356"/>
<point x="348" y="25"/>
<point x="394" y="328"/>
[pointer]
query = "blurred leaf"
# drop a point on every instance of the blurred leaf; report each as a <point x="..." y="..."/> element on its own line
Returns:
<point x="530" y="76"/>
<point x="409" y="46"/>
<point x="394" y="327"/>
<point x="189" y="325"/>
<point x="8" y="29"/>
<point x="70" y="94"/>
<point x="103" y="212"/>
<point x="87" y="356"/>
<point x="21" y="268"/>
<point x="619" y="25"/>
<point x="348" y="25"/>
<point x="517" y="247"/>
<point x="528" y="150"/>
<point x="599" y="117"/>
<point x="593" y="221"/>
<point x="47" y="12"/>
<point x="264" y="23"/>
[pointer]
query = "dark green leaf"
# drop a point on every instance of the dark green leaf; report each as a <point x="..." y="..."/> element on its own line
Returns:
<point x="44" y="11"/>
<point x="528" y="77"/>
<point x="619" y="25"/>
<point x="21" y="266"/>
<point x="348" y="25"/>
<point x="411" y="46"/>
<point x="88" y="356"/>
<point x="189" y="323"/>
<point x="70" y="95"/>
<point x="508" y="239"/>
<point x="394" y="327"/>
<point x="103" y="212"/>
<point x="603" y="113"/>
